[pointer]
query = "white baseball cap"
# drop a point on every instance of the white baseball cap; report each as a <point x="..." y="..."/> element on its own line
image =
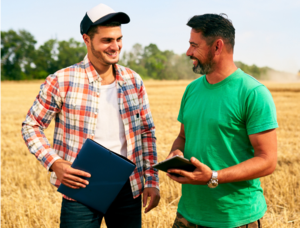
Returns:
<point x="99" y="15"/>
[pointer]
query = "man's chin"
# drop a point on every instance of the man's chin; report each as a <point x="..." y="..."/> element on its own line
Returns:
<point x="197" y="69"/>
<point x="112" y="61"/>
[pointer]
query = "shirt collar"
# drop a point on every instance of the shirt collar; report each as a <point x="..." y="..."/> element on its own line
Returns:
<point x="90" y="70"/>
<point x="119" y="77"/>
<point x="93" y="74"/>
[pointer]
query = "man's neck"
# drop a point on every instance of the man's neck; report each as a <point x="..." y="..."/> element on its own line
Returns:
<point x="222" y="70"/>
<point x="106" y="72"/>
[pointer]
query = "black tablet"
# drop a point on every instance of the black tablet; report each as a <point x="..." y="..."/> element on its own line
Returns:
<point x="176" y="162"/>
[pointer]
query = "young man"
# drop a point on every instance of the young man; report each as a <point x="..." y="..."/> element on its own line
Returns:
<point x="228" y="122"/>
<point x="101" y="100"/>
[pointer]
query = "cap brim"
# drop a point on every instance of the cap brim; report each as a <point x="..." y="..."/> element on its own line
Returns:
<point x="120" y="17"/>
<point x="86" y="22"/>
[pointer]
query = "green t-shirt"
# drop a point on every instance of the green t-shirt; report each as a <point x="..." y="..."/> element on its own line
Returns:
<point x="217" y="119"/>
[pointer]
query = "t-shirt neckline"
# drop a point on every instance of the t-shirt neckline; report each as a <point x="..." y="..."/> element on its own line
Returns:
<point x="108" y="86"/>
<point x="221" y="83"/>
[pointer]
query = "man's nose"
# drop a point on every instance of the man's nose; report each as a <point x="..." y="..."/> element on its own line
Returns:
<point x="188" y="52"/>
<point x="115" y="46"/>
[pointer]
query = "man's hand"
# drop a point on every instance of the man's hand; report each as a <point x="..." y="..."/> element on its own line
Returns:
<point x="154" y="195"/>
<point x="200" y="176"/>
<point x="69" y="176"/>
<point x="174" y="153"/>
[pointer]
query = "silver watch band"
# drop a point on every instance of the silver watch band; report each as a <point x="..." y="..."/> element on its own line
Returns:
<point x="214" y="175"/>
<point x="213" y="182"/>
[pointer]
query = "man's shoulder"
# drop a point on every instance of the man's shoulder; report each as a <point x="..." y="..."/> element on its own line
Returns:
<point x="70" y="70"/>
<point x="195" y="83"/>
<point x="247" y="81"/>
<point x="129" y="74"/>
<point x="66" y="77"/>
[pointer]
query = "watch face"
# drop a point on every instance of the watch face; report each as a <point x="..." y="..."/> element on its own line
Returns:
<point x="213" y="184"/>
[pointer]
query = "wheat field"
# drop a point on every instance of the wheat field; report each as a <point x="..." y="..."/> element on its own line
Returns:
<point x="29" y="200"/>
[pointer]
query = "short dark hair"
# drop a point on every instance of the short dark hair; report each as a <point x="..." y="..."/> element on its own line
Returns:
<point x="94" y="29"/>
<point x="212" y="27"/>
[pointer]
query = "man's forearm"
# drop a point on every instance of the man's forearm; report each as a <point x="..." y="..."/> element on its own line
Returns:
<point x="178" y="144"/>
<point x="251" y="169"/>
<point x="262" y="164"/>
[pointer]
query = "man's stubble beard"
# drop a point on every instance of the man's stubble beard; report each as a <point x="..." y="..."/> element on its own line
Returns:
<point x="101" y="56"/>
<point x="206" y="67"/>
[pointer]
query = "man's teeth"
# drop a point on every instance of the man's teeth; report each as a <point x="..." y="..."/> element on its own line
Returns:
<point x="112" y="54"/>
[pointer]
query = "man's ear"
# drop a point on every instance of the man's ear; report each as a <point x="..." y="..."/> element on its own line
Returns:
<point x="86" y="39"/>
<point x="219" y="45"/>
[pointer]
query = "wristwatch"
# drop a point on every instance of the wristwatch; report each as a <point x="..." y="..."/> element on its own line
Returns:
<point x="213" y="182"/>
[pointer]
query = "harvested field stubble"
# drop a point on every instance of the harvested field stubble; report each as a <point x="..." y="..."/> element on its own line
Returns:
<point x="29" y="200"/>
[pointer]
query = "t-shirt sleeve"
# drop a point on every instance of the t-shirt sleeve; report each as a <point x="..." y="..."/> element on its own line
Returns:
<point x="180" y="115"/>
<point x="260" y="111"/>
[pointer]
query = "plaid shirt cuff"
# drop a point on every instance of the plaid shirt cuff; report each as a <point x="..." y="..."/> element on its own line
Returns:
<point x="49" y="159"/>
<point x="151" y="178"/>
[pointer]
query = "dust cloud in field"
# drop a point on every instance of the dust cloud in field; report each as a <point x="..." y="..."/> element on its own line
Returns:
<point x="279" y="76"/>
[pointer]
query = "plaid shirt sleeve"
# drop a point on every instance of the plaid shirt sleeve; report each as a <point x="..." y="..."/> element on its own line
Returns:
<point x="46" y="105"/>
<point x="148" y="142"/>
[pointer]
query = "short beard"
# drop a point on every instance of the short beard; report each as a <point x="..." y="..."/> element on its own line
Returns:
<point x="204" y="67"/>
<point x="98" y="55"/>
<point x="95" y="53"/>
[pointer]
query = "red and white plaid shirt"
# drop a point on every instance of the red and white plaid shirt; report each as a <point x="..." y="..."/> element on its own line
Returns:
<point x="71" y="96"/>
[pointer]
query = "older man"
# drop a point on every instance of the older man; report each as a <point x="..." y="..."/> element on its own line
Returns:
<point x="228" y="122"/>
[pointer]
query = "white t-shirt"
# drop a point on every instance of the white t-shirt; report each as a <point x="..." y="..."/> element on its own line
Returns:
<point x="110" y="130"/>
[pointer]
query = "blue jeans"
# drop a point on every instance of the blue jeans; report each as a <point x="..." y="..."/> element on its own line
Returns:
<point x="123" y="212"/>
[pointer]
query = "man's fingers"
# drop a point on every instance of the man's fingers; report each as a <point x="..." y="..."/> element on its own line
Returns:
<point x="175" y="152"/>
<point x="181" y="180"/>
<point x="180" y="172"/>
<point x="150" y="205"/>
<point x="155" y="197"/>
<point x="78" y="172"/>
<point x="145" y="197"/>
<point x="169" y="156"/>
<point x="75" y="179"/>
<point x="72" y="184"/>
<point x="196" y="162"/>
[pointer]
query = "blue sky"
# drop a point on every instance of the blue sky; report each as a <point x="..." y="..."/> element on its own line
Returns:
<point x="267" y="32"/>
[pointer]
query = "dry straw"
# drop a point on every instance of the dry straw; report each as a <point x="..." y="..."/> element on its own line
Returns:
<point x="28" y="199"/>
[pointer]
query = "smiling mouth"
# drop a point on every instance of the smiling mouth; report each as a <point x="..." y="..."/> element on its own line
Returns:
<point x="112" y="55"/>
<point x="195" y="62"/>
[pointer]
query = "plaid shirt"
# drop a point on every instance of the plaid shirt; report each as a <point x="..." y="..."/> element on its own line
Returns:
<point x="71" y="96"/>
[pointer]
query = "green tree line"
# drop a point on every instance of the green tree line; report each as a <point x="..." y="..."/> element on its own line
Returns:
<point x="21" y="60"/>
